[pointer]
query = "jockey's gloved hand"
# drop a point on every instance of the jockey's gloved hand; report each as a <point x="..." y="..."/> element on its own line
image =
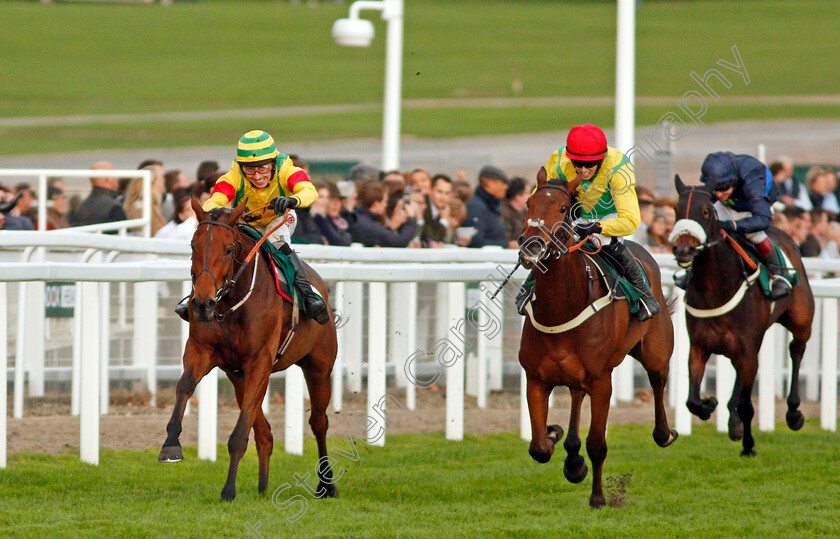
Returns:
<point x="728" y="226"/>
<point x="281" y="204"/>
<point x="584" y="230"/>
<point x="251" y="217"/>
<point x="215" y="213"/>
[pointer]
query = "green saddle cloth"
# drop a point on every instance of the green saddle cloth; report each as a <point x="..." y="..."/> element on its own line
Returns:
<point x="789" y="274"/>
<point x="281" y="262"/>
<point x="622" y="288"/>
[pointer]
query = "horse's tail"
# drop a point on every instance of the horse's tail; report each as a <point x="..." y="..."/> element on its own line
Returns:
<point x="338" y="319"/>
<point x="671" y="303"/>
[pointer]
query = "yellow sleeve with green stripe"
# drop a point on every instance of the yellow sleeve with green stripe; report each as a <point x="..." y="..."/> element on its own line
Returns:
<point x="622" y="185"/>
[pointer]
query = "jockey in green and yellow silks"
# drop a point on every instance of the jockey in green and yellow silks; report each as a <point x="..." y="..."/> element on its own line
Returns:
<point x="606" y="207"/>
<point x="263" y="176"/>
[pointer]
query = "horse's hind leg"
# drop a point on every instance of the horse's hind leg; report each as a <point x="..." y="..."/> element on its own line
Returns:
<point x="794" y="417"/>
<point x="574" y="468"/>
<point x="745" y="406"/>
<point x="596" y="441"/>
<point x="654" y="354"/>
<point x="263" y="438"/>
<point x="197" y="363"/>
<point x="542" y="445"/>
<point x="317" y="374"/>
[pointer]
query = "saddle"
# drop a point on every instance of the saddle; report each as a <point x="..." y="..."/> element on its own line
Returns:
<point x="789" y="274"/>
<point x="613" y="273"/>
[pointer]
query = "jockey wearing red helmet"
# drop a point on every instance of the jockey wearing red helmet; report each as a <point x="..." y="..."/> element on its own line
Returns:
<point x="607" y="204"/>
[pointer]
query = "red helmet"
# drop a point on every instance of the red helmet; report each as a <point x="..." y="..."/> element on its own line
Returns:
<point x="586" y="143"/>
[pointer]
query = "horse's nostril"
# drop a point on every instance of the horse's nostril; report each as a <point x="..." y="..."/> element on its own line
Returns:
<point x="519" y="240"/>
<point x="211" y="304"/>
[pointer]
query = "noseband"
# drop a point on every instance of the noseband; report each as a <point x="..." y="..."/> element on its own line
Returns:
<point x="230" y="279"/>
<point x="556" y="247"/>
<point x="685" y="230"/>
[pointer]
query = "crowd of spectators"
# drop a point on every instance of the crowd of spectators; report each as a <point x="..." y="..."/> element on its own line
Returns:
<point x="416" y="208"/>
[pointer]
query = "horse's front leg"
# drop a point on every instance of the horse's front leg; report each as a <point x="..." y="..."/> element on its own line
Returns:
<point x="596" y="441"/>
<point x="574" y="467"/>
<point x="745" y="406"/>
<point x="317" y="371"/>
<point x="702" y="408"/>
<point x="543" y="439"/>
<point x="736" y="427"/>
<point x="794" y="417"/>
<point x="256" y="382"/>
<point x="263" y="438"/>
<point x="197" y="363"/>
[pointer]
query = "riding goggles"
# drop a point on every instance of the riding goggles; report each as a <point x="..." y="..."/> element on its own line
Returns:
<point x="249" y="170"/>
<point x="584" y="164"/>
<point x="724" y="186"/>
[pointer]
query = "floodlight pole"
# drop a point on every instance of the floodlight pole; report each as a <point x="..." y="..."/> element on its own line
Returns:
<point x="392" y="13"/>
<point x="625" y="76"/>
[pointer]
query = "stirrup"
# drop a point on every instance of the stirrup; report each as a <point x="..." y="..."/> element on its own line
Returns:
<point x="648" y="310"/>
<point x="779" y="287"/>
<point x="526" y="292"/>
<point x="681" y="279"/>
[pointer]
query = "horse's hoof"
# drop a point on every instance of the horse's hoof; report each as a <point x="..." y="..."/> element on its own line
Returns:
<point x="228" y="494"/>
<point x="736" y="429"/>
<point x="795" y="419"/>
<point x="554" y="433"/>
<point x="327" y="490"/>
<point x="597" y="501"/>
<point x="711" y="404"/>
<point x="748" y="453"/>
<point x="575" y="473"/>
<point x="672" y="436"/>
<point x="698" y="409"/>
<point x="170" y="453"/>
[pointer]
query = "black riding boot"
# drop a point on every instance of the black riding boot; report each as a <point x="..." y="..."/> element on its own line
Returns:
<point x="183" y="309"/>
<point x="313" y="305"/>
<point x="525" y="293"/>
<point x="648" y="305"/>
<point x="779" y="287"/>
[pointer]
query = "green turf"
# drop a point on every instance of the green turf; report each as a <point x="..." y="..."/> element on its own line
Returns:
<point x="425" y="486"/>
<point x="69" y="58"/>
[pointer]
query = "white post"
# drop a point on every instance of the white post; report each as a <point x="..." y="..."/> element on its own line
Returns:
<point x="767" y="381"/>
<point x="89" y="388"/>
<point x="352" y="334"/>
<point x="4" y="354"/>
<point x="207" y="393"/>
<point x="679" y="375"/>
<point x="402" y="334"/>
<point x="145" y="332"/>
<point x="625" y="75"/>
<point x="493" y="344"/>
<point x="524" y="417"/>
<point x="338" y="366"/>
<point x="266" y="397"/>
<point x="20" y="367"/>
<point x="810" y="367"/>
<point x="455" y="370"/>
<point x="762" y="153"/>
<point x="186" y="288"/>
<point x="294" y="411"/>
<point x="42" y="202"/>
<point x="377" y="323"/>
<point x="104" y="347"/>
<point x="623" y="380"/>
<point x="724" y="381"/>
<point x="828" y="395"/>
<point x="481" y="389"/>
<point x="33" y="331"/>
<point x="393" y="13"/>
<point x="76" y="365"/>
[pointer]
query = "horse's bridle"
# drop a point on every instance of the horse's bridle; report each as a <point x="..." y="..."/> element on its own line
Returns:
<point x="230" y="279"/>
<point x="565" y="226"/>
<point x="706" y="244"/>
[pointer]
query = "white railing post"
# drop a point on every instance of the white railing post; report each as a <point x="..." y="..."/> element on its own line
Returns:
<point x="338" y="366"/>
<point x="89" y="387"/>
<point x="810" y="367"/>
<point x="104" y="347"/>
<point x="207" y="393"/>
<point x="456" y="327"/>
<point x="4" y="388"/>
<point x="376" y="386"/>
<point x="828" y="395"/>
<point x="524" y="417"/>
<point x="679" y="374"/>
<point x="145" y="332"/>
<point x="186" y="288"/>
<point x="352" y="334"/>
<point x="293" y="433"/>
<point x="402" y="334"/>
<point x="724" y="382"/>
<point x="623" y="380"/>
<point x="767" y="381"/>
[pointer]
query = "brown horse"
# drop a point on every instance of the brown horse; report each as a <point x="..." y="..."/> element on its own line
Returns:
<point x="582" y="356"/>
<point x="238" y="327"/>
<point x="716" y="281"/>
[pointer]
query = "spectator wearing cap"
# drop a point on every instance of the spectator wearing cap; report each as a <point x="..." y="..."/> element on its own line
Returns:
<point x="101" y="206"/>
<point x="484" y="208"/>
<point x="368" y="228"/>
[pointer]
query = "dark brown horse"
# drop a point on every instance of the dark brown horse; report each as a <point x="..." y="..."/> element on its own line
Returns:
<point x="582" y="357"/>
<point x="242" y="339"/>
<point x="717" y="279"/>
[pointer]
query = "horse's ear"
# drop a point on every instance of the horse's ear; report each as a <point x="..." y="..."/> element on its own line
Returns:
<point x="678" y="183"/>
<point x="572" y="186"/>
<point x="542" y="176"/>
<point x="200" y="214"/>
<point x="237" y="212"/>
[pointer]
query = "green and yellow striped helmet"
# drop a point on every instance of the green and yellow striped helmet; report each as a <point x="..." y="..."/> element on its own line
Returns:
<point x="256" y="146"/>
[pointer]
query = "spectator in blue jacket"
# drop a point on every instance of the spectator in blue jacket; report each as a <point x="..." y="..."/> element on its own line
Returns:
<point x="484" y="208"/>
<point x="368" y="228"/>
<point x="744" y="190"/>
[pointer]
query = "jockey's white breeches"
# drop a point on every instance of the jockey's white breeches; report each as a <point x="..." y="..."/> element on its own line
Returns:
<point x="725" y="213"/>
<point x="284" y="233"/>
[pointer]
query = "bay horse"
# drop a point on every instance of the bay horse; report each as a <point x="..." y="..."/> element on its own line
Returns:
<point x="583" y="356"/>
<point x="719" y="324"/>
<point x="238" y="327"/>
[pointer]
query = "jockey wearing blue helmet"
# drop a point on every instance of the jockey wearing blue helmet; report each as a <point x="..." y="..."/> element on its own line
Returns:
<point x="744" y="190"/>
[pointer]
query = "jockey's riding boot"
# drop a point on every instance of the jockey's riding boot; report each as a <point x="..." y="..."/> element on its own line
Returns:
<point x="525" y="294"/>
<point x="183" y="309"/>
<point x="681" y="278"/>
<point x="313" y="305"/>
<point x="648" y="306"/>
<point x="779" y="287"/>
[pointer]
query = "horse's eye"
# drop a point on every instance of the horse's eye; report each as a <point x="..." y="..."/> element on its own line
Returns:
<point x="229" y="250"/>
<point x="563" y="209"/>
<point x="706" y="213"/>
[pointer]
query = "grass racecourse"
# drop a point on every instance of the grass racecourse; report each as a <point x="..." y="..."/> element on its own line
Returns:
<point x="425" y="486"/>
<point x="67" y="59"/>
